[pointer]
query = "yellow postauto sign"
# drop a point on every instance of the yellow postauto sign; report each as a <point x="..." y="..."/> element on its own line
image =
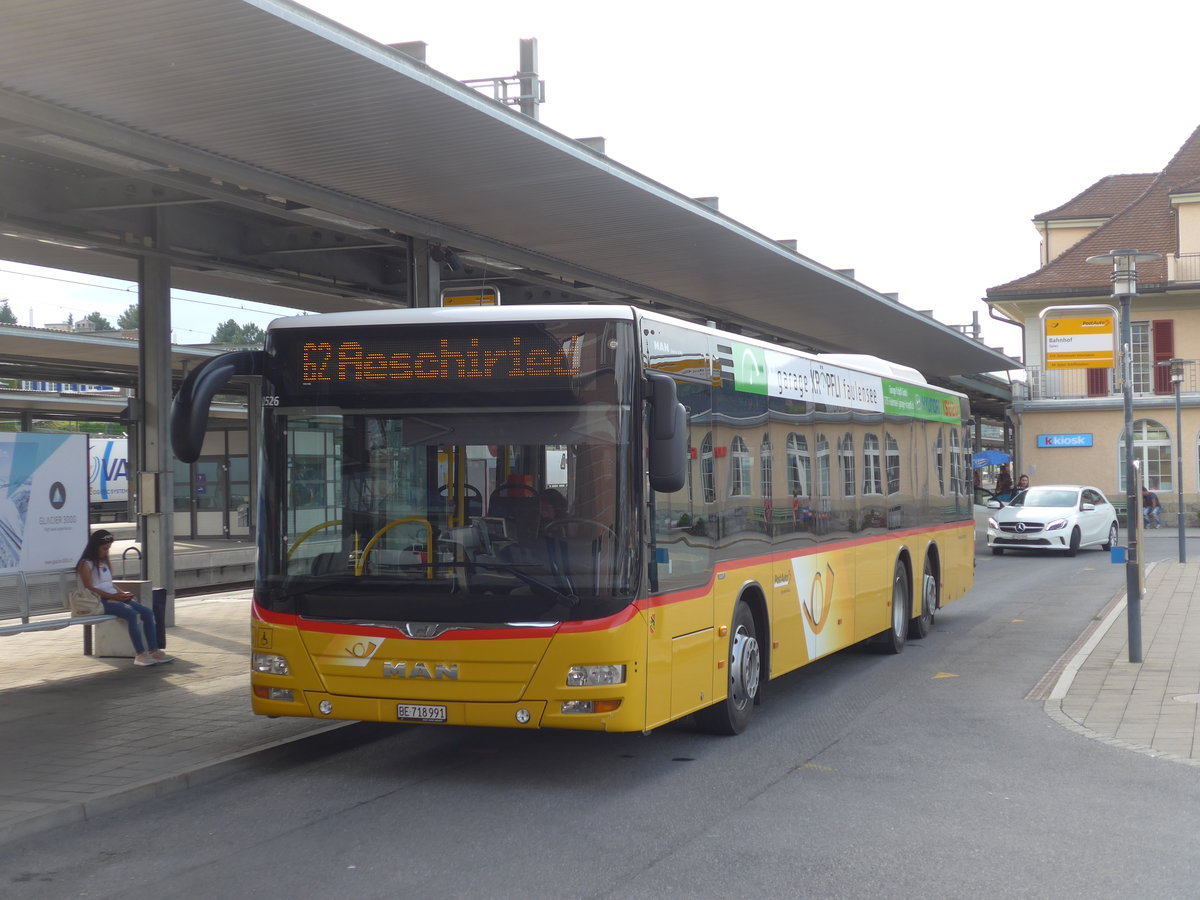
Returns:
<point x="1080" y="342"/>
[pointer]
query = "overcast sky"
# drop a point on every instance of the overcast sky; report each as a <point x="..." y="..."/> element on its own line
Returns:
<point x="912" y="142"/>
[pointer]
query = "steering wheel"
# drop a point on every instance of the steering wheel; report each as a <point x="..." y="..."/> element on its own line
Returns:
<point x="563" y="523"/>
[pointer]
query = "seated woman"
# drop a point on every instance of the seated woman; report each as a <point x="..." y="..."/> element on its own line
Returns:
<point x="95" y="575"/>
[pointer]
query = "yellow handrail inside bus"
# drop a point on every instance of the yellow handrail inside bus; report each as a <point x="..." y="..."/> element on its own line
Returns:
<point x="362" y="557"/>
<point x="300" y="540"/>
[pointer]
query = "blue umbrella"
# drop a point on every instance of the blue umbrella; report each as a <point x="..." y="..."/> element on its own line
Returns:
<point x="989" y="458"/>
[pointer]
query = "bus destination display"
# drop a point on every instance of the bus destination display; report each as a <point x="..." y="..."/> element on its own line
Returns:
<point x="479" y="359"/>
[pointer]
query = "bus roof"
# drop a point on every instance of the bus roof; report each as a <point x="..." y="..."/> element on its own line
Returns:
<point x="542" y="312"/>
<point x="442" y="315"/>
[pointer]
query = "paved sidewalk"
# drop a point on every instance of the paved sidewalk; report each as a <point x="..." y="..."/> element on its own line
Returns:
<point x="81" y="736"/>
<point x="1151" y="707"/>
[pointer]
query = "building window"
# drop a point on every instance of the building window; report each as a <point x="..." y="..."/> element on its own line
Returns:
<point x="740" y="463"/>
<point x="938" y="463"/>
<point x="872" y="476"/>
<point x="824" y="476"/>
<point x="1143" y="358"/>
<point x="766" y="467"/>
<point x="845" y="448"/>
<point x="892" y="464"/>
<point x="956" y="480"/>
<point x="799" y="466"/>
<point x="1152" y="448"/>
<point x="707" y="481"/>
<point x="1153" y="344"/>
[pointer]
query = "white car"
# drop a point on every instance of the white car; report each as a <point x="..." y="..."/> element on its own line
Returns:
<point x="1061" y="517"/>
<point x="983" y="513"/>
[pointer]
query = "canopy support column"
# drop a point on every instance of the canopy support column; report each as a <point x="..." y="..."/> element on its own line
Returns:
<point x="156" y="490"/>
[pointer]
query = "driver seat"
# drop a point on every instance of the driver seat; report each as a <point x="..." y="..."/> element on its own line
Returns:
<point x="522" y="511"/>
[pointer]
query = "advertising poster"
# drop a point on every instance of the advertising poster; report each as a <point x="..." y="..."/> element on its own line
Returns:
<point x="108" y="467"/>
<point x="43" y="500"/>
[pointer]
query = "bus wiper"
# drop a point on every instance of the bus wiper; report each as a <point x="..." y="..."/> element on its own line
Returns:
<point x="572" y="600"/>
<point x="323" y="582"/>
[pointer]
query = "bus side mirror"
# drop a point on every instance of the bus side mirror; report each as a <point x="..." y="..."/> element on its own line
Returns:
<point x="189" y="409"/>
<point x="668" y="435"/>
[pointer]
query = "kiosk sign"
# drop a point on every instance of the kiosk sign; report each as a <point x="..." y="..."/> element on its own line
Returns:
<point x="1048" y="441"/>
<point x="1081" y="342"/>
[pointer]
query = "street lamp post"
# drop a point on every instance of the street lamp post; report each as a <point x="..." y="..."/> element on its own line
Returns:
<point x="1124" y="282"/>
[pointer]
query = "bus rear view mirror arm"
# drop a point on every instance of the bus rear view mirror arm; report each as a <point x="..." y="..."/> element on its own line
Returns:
<point x="189" y="410"/>
<point x="667" y="435"/>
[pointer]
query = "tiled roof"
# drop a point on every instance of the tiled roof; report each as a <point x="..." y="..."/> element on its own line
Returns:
<point x="1104" y="199"/>
<point x="1188" y="188"/>
<point x="1144" y="224"/>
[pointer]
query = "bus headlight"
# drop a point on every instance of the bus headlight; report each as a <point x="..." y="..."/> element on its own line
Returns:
<point x="269" y="664"/>
<point x="588" y="676"/>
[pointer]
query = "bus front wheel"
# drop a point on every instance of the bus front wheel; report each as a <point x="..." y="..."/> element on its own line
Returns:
<point x="731" y="715"/>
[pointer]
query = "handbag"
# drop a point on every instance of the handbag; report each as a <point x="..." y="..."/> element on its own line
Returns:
<point x="84" y="603"/>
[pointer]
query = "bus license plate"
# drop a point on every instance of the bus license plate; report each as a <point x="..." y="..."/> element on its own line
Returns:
<point x="416" y="712"/>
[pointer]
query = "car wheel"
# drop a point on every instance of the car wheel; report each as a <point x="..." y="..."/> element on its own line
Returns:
<point x="1112" y="537"/>
<point x="1074" y="547"/>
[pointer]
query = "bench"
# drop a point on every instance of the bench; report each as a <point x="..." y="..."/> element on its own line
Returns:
<point x="36" y="601"/>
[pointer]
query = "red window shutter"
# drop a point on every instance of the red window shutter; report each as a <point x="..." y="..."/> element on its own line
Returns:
<point x="1097" y="382"/>
<point x="1162" y="337"/>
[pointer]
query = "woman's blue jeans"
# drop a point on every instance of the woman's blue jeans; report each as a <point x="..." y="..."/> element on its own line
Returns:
<point x="140" y="619"/>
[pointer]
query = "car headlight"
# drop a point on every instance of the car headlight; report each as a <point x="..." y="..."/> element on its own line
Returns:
<point x="992" y="523"/>
<point x="1057" y="524"/>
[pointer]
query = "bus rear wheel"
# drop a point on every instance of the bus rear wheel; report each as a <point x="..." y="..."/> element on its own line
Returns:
<point x="891" y="640"/>
<point x="920" y="626"/>
<point x="732" y="714"/>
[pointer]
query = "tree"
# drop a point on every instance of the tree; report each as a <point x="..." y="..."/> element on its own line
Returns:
<point x="7" y="317"/>
<point x="128" y="320"/>
<point x="97" y="322"/>
<point x="231" y="333"/>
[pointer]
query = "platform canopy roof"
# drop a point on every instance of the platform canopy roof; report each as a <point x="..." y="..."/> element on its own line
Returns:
<point x="291" y="159"/>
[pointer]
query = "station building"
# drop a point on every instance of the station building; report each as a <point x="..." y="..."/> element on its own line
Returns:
<point x="1068" y="424"/>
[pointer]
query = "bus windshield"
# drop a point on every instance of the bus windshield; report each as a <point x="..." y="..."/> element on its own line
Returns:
<point x="514" y="509"/>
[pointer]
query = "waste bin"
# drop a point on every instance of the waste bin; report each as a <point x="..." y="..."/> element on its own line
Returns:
<point x="160" y="616"/>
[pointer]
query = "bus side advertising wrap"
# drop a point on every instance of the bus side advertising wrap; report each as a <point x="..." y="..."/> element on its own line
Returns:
<point x="759" y="371"/>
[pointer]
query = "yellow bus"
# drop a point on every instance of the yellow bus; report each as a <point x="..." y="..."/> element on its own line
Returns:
<point x="587" y="517"/>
